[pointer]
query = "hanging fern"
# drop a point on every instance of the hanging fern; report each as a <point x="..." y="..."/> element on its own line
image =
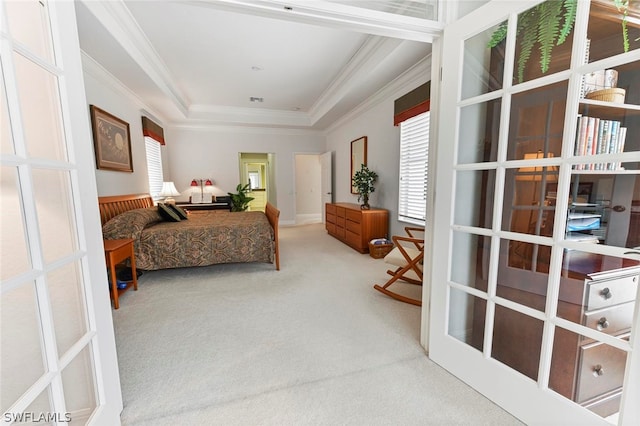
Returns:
<point x="550" y="15"/>
<point x="570" y="7"/>
<point x="548" y="24"/>
<point x="527" y="42"/>
<point x="623" y="6"/>
<point x="498" y="35"/>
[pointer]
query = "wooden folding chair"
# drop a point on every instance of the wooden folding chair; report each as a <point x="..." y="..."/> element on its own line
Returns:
<point x="407" y="256"/>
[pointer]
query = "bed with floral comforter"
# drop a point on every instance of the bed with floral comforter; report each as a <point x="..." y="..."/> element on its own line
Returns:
<point x="205" y="238"/>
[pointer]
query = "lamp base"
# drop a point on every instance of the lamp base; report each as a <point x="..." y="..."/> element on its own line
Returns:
<point x="169" y="200"/>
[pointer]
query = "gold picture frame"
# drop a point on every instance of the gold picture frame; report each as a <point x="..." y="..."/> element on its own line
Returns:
<point x="112" y="141"/>
<point x="358" y="158"/>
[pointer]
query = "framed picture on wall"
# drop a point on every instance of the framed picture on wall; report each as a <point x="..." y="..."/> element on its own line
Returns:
<point x="112" y="141"/>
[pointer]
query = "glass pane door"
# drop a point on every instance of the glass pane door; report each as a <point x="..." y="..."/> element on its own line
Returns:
<point x="50" y="331"/>
<point x="542" y="236"/>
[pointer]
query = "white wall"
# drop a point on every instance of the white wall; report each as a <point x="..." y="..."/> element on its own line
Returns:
<point x="383" y="146"/>
<point x="214" y="153"/>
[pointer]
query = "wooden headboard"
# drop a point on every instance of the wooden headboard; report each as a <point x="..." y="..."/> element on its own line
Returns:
<point x="273" y="214"/>
<point x="114" y="205"/>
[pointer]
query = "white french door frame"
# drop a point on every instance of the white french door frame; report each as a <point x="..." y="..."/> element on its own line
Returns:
<point x="99" y="337"/>
<point x="529" y="400"/>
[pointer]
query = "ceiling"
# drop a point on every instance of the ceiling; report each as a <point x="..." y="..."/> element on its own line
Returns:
<point x="202" y="62"/>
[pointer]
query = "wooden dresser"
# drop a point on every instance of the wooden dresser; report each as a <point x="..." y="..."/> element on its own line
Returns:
<point x="354" y="226"/>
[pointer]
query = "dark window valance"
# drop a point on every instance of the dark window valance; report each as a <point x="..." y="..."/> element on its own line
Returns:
<point x="413" y="103"/>
<point x="152" y="130"/>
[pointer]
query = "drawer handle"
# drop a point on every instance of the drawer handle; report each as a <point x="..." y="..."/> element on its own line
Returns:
<point x="602" y="323"/>
<point x="606" y="293"/>
<point x="598" y="370"/>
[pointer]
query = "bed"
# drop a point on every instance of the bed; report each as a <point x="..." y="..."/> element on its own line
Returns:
<point x="205" y="238"/>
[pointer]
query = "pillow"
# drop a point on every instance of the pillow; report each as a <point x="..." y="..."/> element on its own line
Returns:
<point x="179" y="211"/>
<point x="130" y="223"/>
<point x="167" y="213"/>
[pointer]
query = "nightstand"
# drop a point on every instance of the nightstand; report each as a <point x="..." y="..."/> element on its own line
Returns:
<point x="116" y="251"/>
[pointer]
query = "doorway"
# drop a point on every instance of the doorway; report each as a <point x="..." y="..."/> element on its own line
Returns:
<point x="257" y="170"/>
<point x="308" y="188"/>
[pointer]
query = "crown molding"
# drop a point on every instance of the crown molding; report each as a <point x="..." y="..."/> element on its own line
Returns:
<point x="97" y="71"/>
<point x="241" y="129"/>
<point x="118" y="21"/>
<point x="371" y="53"/>
<point x="249" y="116"/>
<point x="418" y="74"/>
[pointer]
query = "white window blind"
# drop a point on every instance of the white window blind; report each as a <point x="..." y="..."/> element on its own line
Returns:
<point x="414" y="152"/>
<point x="154" y="166"/>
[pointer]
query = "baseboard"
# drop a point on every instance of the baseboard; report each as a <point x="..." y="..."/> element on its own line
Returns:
<point x="303" y="219"/>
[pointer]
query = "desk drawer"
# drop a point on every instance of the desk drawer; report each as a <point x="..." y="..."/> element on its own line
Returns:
<point x="600" y="370"/>
<point x="605" y="293"/>
<point x="613" y="320"/>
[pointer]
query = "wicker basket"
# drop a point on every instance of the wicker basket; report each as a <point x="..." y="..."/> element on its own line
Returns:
<point x="615" y="95"/>
<point x="378" y="251"/>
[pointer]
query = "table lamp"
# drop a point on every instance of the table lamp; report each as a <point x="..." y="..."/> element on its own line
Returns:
<point x="169" y="191"/>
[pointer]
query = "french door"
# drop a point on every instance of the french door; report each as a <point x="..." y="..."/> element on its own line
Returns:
<point x="58" y="362"/>
<point x="537" y="306"/>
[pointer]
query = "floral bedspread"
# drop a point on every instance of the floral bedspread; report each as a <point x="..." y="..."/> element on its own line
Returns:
<point x="206" y="238"/>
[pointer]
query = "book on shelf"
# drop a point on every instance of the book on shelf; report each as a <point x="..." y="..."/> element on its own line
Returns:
<point x="599" y="136"/>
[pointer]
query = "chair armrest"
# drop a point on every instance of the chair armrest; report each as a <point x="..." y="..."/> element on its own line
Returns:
<point x="418" y="242"/>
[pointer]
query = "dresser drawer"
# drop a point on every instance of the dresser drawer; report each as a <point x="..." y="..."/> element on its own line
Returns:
<point x="331" y="227"/>
<point x="340" y="211"/>
<point x="353" y="239"/>
<point x="331" y="218"/>
<point x="613" y="320"/>
<point x="354" y="216"/>
<point x="331" y="209"/>
<point x="605" y="293"/>
<point x="340" y="222"/>
<point x="353" y="227"/>
<point x="600" y="370"/>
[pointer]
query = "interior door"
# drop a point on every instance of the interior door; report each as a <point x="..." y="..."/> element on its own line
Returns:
<point x="527" y="282"/>
<point x="326" y="175"/>
<point x="58" y="361"/>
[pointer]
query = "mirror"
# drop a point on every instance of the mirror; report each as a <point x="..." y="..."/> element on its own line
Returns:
<point x="358" y="157"/>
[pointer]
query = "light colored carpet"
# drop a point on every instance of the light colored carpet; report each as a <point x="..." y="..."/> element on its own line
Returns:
<point x="311" y="344"/>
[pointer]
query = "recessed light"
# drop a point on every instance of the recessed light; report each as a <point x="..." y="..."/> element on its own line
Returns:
<point x="256" y="99"/>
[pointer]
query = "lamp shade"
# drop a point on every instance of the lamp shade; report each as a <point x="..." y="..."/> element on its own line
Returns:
<point x="168" y="190"/>
<point x="208" y="183"/>
<point x="194" y="183"/>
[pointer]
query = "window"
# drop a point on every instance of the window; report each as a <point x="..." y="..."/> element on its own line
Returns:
<point x="414" y="153"/>
<point x="154" y="166"/>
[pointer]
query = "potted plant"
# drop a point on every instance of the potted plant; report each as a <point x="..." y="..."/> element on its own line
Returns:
<point x="363" y="180"/>
<point x="240" y="200"/>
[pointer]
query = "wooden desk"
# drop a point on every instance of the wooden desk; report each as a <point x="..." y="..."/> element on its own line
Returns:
<point x="116" y="251"/>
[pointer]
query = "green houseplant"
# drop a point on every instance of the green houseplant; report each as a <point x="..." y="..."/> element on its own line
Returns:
<point x="363" y="180"/>
<point x="240" y="200"/>
<point x="549" y="24"/>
